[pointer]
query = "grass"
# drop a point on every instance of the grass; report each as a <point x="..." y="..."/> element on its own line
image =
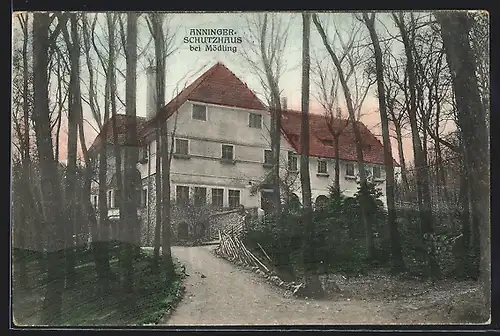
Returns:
<point x="153" y="295"/>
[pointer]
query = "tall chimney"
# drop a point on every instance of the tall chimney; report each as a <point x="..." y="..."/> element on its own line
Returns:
<point x="151" y="92"/>
<point x="283" y="103"/>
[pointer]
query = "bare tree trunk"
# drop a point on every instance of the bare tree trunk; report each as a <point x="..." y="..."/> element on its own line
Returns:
<point x="397" y="256"/>
<point x="424" y="201"/>
<point x="337" y="165"/>
<point x="102" y="245"/>
<point x="440" y="171"/>
<point x="313" y="284"/>
<point x="166" y="208"/>
<point x="132" y="181"/>
<point x="275" y="118"/>
<point x="26" y="161"/>
<point x="472" y="121"/>
<point x="370" y="245"/>
<point x="70" y="195"/>
<point x="59" y="116"/>
<point x="122" y="220"/>
<point x="163" y="150"/>
<point x="87" y="208"/>
<point x="52" y="201"/>
<point x="402" y="161"/>
<point x="158" y="197"/>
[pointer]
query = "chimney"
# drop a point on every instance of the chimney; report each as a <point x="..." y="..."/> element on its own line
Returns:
<point x="151" y="92"/>
<point x="283" y="103"/>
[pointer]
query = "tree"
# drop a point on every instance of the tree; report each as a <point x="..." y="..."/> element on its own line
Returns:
<point x="424" y="201"/>
<point x="52" y="200"/>
<point x="397" y="106"/>
<point x="24" y="138"/>
<point x="267" y="42"/>
<point x="102" y="246"/>
<point x="455" y="29"/>
<point x="132" y="181"/>
<point x="111" y="96"/>
<point x="327" y="87"/>
<point x="434" y="87"/>
<point x="397" y="256"/>
<point x="480" y="44"/>
<point x="164" y="150"/>
<point x="351" y="108"/>
<point x="313" y="284"/>
<point x="73" y="46"/>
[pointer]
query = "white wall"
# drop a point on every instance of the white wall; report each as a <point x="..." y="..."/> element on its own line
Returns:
<point x="225" y="125"/>
<point x="204" y="167"/>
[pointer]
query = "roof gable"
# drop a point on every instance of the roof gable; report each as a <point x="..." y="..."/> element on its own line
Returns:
<point x="218" y="85"/>
<point x="123" y="123"/>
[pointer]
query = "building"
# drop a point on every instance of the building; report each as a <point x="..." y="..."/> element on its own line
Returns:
<point x="222" y="153"/>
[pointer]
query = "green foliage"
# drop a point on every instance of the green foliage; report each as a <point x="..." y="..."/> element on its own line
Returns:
<point x="338" y="234"/>
<point x="339" y="238"/>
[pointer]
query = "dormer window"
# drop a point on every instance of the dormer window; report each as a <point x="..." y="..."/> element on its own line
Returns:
<point x="199" y="112"/>
<point x="327" y="142"/>
<point x="255" y="120"/>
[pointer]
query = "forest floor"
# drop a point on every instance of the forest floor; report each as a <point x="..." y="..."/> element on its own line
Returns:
<point x="83" y="305"/>
<point x="220" y="293"/>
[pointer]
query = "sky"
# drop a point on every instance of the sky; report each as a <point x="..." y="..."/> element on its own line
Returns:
<point x="185" y="64"/>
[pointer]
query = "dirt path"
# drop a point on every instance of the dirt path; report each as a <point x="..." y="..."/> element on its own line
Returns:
<point x="219" y="293"/>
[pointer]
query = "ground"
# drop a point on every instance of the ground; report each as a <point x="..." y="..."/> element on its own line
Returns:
<point x="220" y="293"/>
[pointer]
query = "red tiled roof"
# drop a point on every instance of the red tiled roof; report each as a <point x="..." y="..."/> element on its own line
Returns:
<point x="321" y="142"/>
<point x="218" y="85"/>
<point x="123" y="123"/>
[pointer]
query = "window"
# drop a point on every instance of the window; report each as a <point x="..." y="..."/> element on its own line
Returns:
<point x="199" y="112"/>
<point x="327" y="142"/>
<point x="200" y="196"/>
<point x="322" y="166"/>
<point x="255" y="120"/>
<point x="182" y="194"/>
<point x="218" y="197"/>
<point x="234" y="198"/>
<point x="144" y="198"/>
<point x="349" y="169"/>
<point x="94" y="200"/>
<point x="292" y="161"/>
<point x="368" y="172"/>
<point x="181" y="146"/>
<point x="110" y="194"/>
<point x="117" y="198"/>
<point x="227" y="152"/>
<point x="321" y="201"/>
<point x="268" y="156"/>
<point x="145" y="151"/>
<point x="377" y="172"/>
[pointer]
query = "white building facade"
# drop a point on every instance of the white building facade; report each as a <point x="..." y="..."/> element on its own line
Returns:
<point x="222" y="149"/>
